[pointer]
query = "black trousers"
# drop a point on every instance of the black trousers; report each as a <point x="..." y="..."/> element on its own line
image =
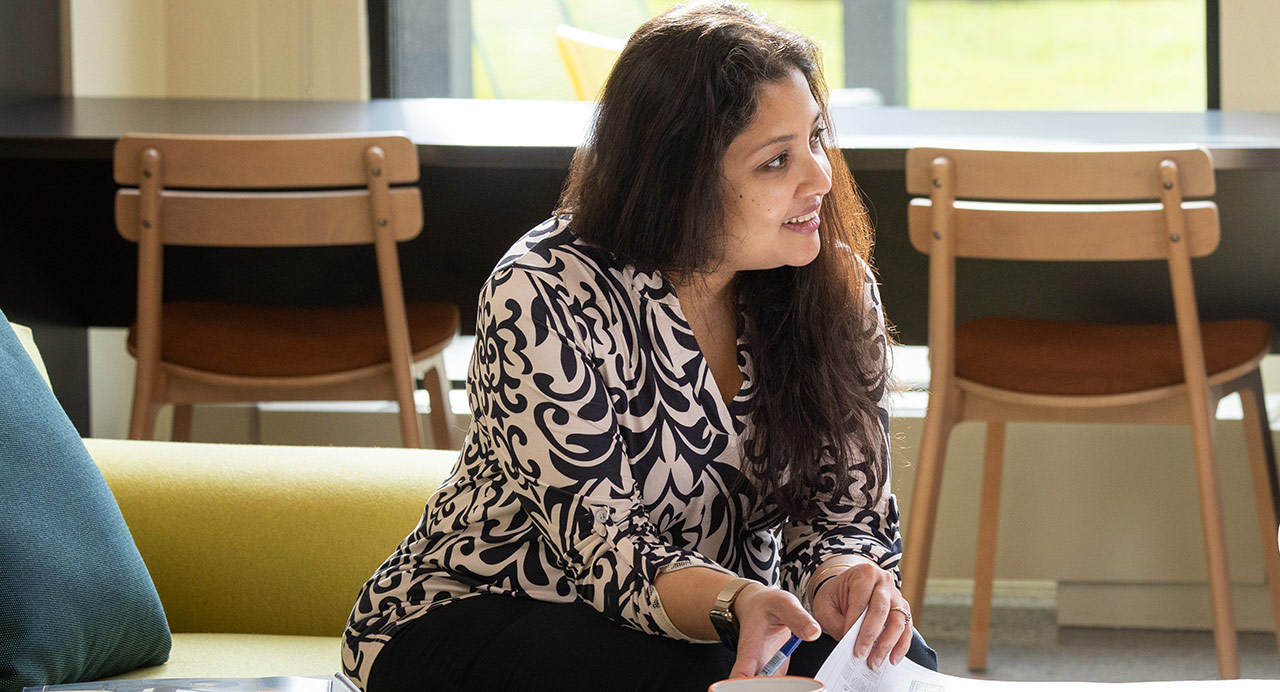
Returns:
<point x="494" y="642"/>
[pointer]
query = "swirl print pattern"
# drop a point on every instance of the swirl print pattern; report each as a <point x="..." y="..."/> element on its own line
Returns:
<point x="601" y="454"/>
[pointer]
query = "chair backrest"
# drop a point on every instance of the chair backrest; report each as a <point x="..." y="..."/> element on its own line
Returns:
<point x="588" y="58"/>
<point x="267" y="191"/>
<point x="304" y="190"/>
<point x="1060" y="205"/>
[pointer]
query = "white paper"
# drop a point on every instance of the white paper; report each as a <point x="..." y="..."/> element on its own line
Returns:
<point x="841" y="672"/>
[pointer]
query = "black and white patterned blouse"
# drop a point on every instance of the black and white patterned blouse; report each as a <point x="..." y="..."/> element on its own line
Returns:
<point x="601" y="454"/>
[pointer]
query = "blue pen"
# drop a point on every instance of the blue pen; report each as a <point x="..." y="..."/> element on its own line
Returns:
<point x="776" y="662"/>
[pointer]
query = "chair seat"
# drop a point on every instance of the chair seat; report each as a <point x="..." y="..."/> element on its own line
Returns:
<point x="257" y="341"/>
<point x="1077" y="359"/>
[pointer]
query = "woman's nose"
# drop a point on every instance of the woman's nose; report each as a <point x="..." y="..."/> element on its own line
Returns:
<point x="817" y="180"/>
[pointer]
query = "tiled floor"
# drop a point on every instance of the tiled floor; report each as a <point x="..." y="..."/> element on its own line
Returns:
<point x="1027" y="644"/>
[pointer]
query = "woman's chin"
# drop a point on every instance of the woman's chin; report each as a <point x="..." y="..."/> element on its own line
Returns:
<point x="807" y="253"/>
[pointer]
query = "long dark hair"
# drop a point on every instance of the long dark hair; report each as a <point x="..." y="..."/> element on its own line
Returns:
<point x="647" y="186"/>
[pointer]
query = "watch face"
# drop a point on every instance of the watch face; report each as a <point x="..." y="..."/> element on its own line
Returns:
<point x="726" y="626"/>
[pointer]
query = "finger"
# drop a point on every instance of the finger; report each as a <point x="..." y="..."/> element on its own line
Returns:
<point x="761" y="637"/>
<point x="889" y="637"/>
<point x="755" y="650"/>
<point x="801" y="623"/>
<point x="873" y="623"/>
<point x="900" y="648"/>
<point x="745" y="666"/>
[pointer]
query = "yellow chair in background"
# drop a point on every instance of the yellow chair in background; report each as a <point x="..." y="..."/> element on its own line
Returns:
<point x="588" y="58"/>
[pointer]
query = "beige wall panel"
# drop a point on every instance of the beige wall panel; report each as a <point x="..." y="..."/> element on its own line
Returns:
<point x="281" y="29"/>
<point x="274" y="49"/>
<point x="118" y="47"/>
<point x="1250" y="55"/>
<point x="339" y="50"/>
<point x="212" y="48"/>
<point x="1088" y="503"/>
<point x="1159" y="606"/>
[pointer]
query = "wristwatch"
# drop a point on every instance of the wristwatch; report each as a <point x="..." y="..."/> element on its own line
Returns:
<point x="722" y="616"/>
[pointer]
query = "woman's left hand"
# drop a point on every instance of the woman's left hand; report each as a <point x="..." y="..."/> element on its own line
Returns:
<point x="886" y="630"/>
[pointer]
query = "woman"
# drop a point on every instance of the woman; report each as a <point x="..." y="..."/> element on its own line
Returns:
<point x="679" y="434"/>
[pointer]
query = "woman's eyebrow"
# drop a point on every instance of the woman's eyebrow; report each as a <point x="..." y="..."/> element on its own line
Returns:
<point x="775" y="140"/>
<point x="784" y="138"/>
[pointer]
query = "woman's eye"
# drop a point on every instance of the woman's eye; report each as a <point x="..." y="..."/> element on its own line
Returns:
<point x="816" y="137"/>
<point x="778" y="162"/>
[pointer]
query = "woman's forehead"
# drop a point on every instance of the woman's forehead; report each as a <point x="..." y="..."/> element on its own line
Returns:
<point x="785" y="108"/>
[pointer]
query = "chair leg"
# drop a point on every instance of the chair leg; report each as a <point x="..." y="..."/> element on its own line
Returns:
<point x="142" y="419"/>
<point x="918" y="541"/>
<point x="1215" y="542"/>
<point x="410" y="427"/>
<point x="443" y="423"/>
<point x="1266" y="489"/>
<point x="182" y="422"/>
<point x="985" y="566"/>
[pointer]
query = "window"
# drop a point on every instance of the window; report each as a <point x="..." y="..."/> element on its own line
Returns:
<point x="1134" y="55"/>
<point x="1129" y="55"/>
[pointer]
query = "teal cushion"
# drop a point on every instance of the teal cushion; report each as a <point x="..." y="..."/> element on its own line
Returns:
<point x="76" y="601"/>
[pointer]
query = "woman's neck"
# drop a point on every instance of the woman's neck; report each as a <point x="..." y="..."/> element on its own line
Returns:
<point x="709" y="295"/>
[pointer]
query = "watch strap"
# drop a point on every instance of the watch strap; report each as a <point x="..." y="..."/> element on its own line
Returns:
<point x="729" y="593"/>
<point x="722" y="616"/>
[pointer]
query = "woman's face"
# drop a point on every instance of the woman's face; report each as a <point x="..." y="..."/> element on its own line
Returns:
<point x="775" y="175"/>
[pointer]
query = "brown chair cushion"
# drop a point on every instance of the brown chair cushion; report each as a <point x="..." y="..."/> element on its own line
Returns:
<point x="291" y="342"/>
<point x="1068" y="358"/>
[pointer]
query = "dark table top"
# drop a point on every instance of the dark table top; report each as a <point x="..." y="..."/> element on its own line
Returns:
<point x="470" y="133"/>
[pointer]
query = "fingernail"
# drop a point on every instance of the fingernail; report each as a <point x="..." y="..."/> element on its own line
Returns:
<point x="861" y="652"/>
<point x="814" y="632"/>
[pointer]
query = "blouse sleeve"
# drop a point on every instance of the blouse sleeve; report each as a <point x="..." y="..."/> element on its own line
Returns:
<point x="855" y="527"/>
<point x="551" y="420"/>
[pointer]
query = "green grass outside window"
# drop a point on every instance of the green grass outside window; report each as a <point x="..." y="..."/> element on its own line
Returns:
<point x="1130" y="55"/>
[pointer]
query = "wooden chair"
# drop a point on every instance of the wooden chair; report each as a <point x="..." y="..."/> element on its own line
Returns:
<point x="588" y="58"/>
<point x="1000" y="370"/>
<point x="273" y="192"/>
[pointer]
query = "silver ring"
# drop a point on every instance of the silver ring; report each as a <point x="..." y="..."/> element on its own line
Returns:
<point x="905" y="613"/>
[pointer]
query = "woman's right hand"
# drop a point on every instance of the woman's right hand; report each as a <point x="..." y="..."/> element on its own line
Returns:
<point x="766" y="619"/>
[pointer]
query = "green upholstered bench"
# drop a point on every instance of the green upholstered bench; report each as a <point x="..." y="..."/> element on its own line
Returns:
<point x="258" y="551"/>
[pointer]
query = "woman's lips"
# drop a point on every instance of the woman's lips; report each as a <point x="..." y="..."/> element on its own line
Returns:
<point x="804" y="223"/>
